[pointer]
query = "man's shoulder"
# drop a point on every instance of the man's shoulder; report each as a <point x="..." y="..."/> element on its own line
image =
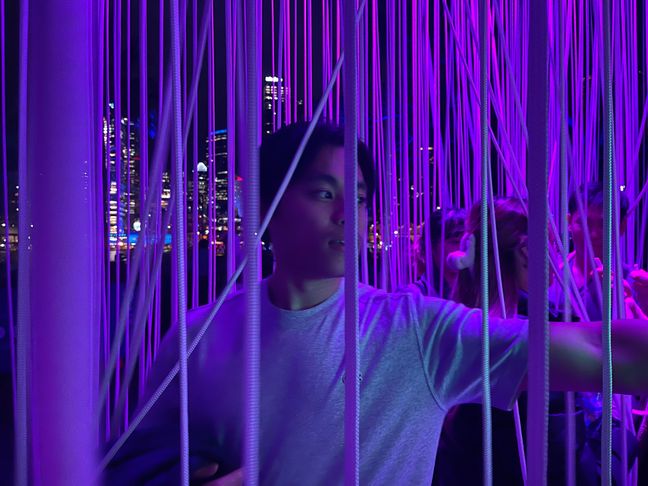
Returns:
<point x="231" y="307"/>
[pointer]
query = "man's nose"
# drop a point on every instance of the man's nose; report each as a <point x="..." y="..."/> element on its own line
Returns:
<point x="338" y="212"/>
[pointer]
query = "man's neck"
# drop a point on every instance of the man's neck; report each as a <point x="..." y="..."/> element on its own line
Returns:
<point x="295" y="293"/>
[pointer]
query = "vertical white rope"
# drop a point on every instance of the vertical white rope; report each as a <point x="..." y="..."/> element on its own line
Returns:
<point x="484" y="37"/>
<point x="179" y="241"/>
<point x="253" y="289"/>
<point x="351" y="341"/>
<point x="517" y="421"/>
<point x="606" y="438"/>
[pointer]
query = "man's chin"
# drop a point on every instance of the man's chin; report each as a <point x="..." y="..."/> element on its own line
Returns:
<point x="331" y="272"/>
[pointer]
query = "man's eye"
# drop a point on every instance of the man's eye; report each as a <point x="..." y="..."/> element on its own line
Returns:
<point x="362" y="200"/>
<point x="323" y="194"/>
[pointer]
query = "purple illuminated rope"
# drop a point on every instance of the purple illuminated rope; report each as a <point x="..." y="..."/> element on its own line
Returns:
<point x="144" y="160"/>
<point x="295" y="74"/>
<point x="338" y="51"/>
<point x="22" y="330"/>
<point x="309" y="46"/>
<point x="430" y="109"/>
<point x="351" y="331"/>
<point x="118" y="181"/>
<point x="128" y="180"/>
<point x="106" y="189"/>
<point x="304" y="45"/>
<point x="230" y="48"/>
<point x="538" y="370"/>
<point x="252" y="344"/>
<point x="195" y="282"/>
<point x="158" y="210"/>
<point x="211" y="167"/>
<point x="287" y="51"/>
<point x="180" y="241"/>
<point x="5" y="202"/>
<point x="390" y="135"/>
<point x="404" y="122"/>
<point x="280" y="66"/>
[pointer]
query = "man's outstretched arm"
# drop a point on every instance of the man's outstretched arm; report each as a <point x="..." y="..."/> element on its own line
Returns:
<point x="576" y="356"/>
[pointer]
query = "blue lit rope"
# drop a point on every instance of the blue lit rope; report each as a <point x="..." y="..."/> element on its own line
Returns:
<point x="606" y="439"/>
<point x="485" y="168"/>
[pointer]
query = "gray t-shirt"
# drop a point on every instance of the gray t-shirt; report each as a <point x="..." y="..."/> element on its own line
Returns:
<point x="419" y="357"/>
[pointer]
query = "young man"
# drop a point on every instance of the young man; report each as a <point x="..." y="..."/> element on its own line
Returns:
<point x="419" y="356"/>
<point x="585" y="221"/>
<point x="586" y="227"/>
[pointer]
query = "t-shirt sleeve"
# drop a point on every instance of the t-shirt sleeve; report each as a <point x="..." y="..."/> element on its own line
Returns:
<point x="449" y="336"/>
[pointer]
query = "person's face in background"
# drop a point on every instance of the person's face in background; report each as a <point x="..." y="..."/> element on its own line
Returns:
<point x="594" y="222"/>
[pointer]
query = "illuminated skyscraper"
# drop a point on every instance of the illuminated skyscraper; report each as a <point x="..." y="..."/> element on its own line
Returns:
<point x="271" y="100"/>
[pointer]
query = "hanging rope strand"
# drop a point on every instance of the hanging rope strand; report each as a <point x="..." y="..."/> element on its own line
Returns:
<point x="351" y="331"/>
<point x="484" y="10"/>
<point x="608" y="160"/>
<point x="537" y="163"/>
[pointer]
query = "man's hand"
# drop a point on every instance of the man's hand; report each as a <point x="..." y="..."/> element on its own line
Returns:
<point x="633" y="306"/>
<point x="235" y="478"/>
<point x="639" y="279"/>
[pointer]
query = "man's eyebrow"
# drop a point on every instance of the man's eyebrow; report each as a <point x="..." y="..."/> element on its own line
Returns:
<point x="329" y="179"/>
<point x="321" y="177"/>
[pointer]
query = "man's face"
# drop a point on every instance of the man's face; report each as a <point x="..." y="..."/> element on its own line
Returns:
<point x="594" y="226"/>
<point x="307" y="231"/>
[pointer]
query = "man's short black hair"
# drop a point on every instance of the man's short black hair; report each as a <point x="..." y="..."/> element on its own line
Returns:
<point x="279" y="148"/>
<point x="593" y="194"/>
